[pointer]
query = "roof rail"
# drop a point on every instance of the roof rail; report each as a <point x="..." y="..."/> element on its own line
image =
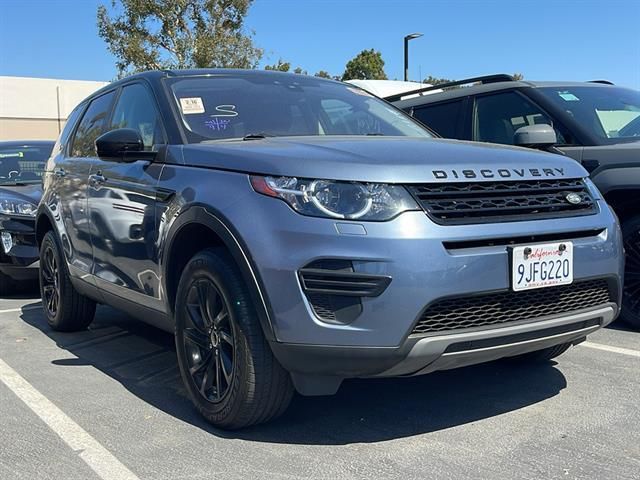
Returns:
<point x="500" y="77"/>
<point x="604" y="82"/>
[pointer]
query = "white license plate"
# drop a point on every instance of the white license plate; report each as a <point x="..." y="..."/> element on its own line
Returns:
<point x="540" y="266"/>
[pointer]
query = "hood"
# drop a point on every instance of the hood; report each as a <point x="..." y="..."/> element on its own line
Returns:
<point x="618" y="152"/>
<point x="30" y="193"/>
<point x="381" y="159"/>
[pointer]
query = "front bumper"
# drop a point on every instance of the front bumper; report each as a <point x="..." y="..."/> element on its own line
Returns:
<point x="319" y="369"/>
<point x="21" y="261"/>
<point x="426" y="262"/>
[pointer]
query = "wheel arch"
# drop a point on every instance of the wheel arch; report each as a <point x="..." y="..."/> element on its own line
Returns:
<point x="204" y="227"/>
<point x="44" y="223"/>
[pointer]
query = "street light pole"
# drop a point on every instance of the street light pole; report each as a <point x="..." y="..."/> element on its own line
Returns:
<point x="406" y="53"/>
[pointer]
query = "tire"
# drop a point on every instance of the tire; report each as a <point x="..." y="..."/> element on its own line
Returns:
<point x="543" y="355"/>
<point x="226" y="364"/>
<point x="64" y="308"/>
<point x="630" y="313"/>
<point x="6" y="285"/>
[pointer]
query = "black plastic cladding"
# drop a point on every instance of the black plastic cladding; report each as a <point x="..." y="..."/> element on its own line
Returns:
<point x="459" y="313"/>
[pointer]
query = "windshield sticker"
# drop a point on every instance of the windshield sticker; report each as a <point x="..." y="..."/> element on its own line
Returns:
<point x="191" y="105"/>
<point x="568" y="97"/>
<point x="218" y="124"/>
<point x="225" y="111"/>
<point x="12" y="155"/>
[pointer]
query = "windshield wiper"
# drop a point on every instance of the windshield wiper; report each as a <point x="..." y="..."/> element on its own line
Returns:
<point x="374" y="134"/>
<point x="257" y="136"/>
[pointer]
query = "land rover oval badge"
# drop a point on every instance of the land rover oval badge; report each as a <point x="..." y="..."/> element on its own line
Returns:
<point x="573" y="198"/>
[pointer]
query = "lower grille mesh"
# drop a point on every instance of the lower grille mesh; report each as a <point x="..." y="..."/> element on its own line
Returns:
<point x="502" y="307"/>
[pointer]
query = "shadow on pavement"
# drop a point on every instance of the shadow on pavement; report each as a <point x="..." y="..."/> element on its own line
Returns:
<point x="142" y="359"/>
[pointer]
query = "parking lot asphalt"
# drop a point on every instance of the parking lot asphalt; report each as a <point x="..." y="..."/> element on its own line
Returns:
<point x="108" y="403"/>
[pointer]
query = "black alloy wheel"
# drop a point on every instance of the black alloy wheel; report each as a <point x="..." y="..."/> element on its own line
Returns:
<point x="50" y="278"/>
<point x="209" y="341"/>
<point x="631" y="292"/>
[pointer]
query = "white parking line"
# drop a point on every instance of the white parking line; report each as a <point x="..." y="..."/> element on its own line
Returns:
<point x="14" y="310"/>
<point x="98" y="458"/>
<point x="609" y="348"/>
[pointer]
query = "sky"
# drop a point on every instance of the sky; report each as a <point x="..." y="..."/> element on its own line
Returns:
<point x="542" y="39"/>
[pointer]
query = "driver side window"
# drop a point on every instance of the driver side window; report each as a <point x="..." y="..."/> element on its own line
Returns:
<point x="136" y="109"/>
<point x="497" y="117"/>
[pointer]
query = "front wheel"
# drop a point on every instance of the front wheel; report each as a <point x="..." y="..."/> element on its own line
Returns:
<point x="65" y="309"/>
<point x="630" y="312"/>
<point x="226" y="364"/>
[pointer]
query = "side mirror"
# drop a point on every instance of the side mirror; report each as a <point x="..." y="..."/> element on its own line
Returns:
<point x="538" y="136"/>
<point x="121" y="145"/>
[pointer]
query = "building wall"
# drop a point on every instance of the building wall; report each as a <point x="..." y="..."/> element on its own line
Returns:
<point x="37" y="108"/>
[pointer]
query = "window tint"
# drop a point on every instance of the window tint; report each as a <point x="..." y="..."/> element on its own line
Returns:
<point x="443" y="118"/>
<point x="497" y="117"/>
<point x="72" y="119"/>
<point x="136" y="109"/>
<point x="92" y="125"/>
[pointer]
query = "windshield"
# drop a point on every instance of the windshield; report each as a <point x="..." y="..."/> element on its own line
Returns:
<point x="227" y="106"/>
<point x="23" y="163"/>
<point x="609" y="113"/>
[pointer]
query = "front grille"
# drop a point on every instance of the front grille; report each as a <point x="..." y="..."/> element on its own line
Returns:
<point x="502" y="307"/>
<point x="484" y="202"/>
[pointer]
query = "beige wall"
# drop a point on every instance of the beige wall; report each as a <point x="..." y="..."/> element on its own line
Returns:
<point x="30" y="128"/>
<point x="36" y="108"/>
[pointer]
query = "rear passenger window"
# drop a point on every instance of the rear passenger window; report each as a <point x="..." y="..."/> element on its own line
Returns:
<point x="442" y="118"/>
<point x="92" y="125"/>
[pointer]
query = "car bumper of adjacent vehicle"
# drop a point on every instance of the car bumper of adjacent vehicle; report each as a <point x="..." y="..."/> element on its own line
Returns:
<point x="21" y="261"/>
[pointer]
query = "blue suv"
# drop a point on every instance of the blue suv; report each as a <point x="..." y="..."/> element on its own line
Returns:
<point x="295" y="232"/>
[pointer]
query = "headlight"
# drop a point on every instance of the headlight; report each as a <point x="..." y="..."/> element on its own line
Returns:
<point x="331" y="199"/>
<point x="14" y="206"/>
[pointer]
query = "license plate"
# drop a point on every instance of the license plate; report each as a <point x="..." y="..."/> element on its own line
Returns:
<point x="540" y="266"/>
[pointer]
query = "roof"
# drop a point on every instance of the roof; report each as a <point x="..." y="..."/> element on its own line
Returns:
<point x="487" y="88"/>
<point x="387" y="88"/>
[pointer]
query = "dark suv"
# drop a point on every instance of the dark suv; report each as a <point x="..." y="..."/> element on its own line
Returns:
<point x="596" y="123"/>
<point x="295" y="231"/>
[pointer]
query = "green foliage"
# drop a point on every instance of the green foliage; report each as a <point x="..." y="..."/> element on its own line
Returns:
<point x="436" y="80"/>
<point x="299" y="71"/>
<point x="322" y="74"/>
<point x="280" y="66"/>
<point x="367" y="65"/>
<point x="518" y="76"/>
<point x="157" y="34"/>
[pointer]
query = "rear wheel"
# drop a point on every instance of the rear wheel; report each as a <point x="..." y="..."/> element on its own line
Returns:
<point x="630" y="312"/>
<point x="543" y="355"/>
<point x="65" y="309"/>
<point x="226" y="364"/>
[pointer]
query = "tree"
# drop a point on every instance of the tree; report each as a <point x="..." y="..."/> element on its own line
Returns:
<point x="280" y="66"/>
<point x="518" y="76"/>
<point x="299" y="71"/>
<point x="157" y="34"/>
<point x="367" y="65"/>
<point x="322" y="74"/>
<point x="436" y="81"/>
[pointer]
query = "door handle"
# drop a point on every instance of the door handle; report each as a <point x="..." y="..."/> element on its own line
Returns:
<point x="96" y="179"/>
<point x="59" y="172"/>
